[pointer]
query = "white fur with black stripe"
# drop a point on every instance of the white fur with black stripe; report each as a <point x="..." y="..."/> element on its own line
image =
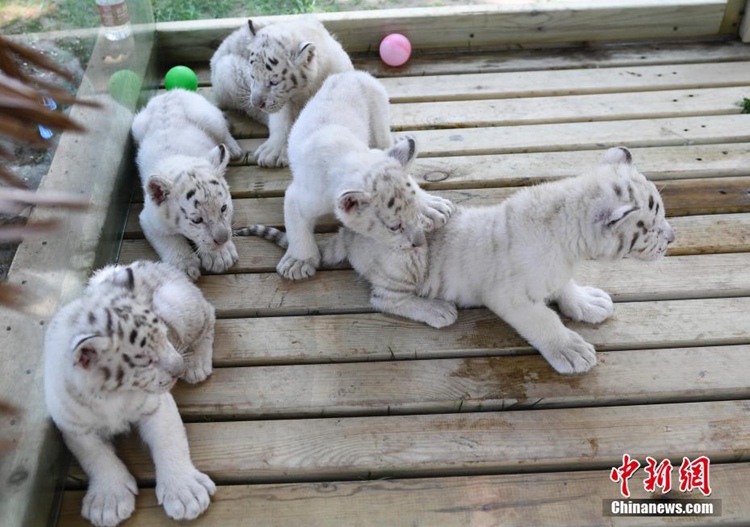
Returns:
<point x="184" y="147"/>
<point x="517" y="256"/>
<point x="271" y="71"/>
<point x="111" y="357"/>
<point x="344" y="161"/>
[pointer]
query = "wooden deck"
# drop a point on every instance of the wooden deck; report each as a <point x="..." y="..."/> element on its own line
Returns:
<point x="321" y="412"/>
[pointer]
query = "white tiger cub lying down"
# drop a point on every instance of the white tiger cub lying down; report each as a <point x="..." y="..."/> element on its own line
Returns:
<point x="343" y="160"/>
<point x="111" y="358"/>
<point x="517" y="256"/>
<point x="184" y="147"/>
<point x="271" y="71"/>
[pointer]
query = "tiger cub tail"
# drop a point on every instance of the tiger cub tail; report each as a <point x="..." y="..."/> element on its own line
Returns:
<point x="262" y="231"/>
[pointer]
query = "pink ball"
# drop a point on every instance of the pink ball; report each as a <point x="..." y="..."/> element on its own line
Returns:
<point x="395" y="49"/>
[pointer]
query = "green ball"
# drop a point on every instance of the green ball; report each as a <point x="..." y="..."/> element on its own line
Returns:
<point x="181" y="77"/>
<point x="125" y="87"/>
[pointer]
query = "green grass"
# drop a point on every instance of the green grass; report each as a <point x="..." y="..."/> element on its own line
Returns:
<point x="28" y="16"/>
<point x="169" y="10"/>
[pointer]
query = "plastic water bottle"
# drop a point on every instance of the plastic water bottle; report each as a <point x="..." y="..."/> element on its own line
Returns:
<point x="115" y="19"/>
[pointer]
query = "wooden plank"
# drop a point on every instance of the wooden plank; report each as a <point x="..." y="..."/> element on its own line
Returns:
<point x="562" y="499"/>
<point x="465" y="385"/>
<point x="710" y="234"/>
<point x="478" y="332"/>
<point x="566" y="109"/>
<point x="250" y="295"/>
<point x="558" y="58"/>
<point x="457" y="444"/>
<point x="730" y="25"/>
<point x="513" y="169"/>
<point x="517" y="169"/>
<point x="719" y="233"/>
<point x="469" y="27"/>
<point x="681" y="197"/>
<point x="543" y="110"/>
<point x="745" y="25"/>
<point x="677" y="131"/>
<point x="581" y="136"/>
<point x="566" y="82"/>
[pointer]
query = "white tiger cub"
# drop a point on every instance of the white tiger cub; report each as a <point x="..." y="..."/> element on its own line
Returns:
<point x="344" y="160"/>
<point x="517" y="256"/>
<point x="271" y="71"/>
<point x="111" y="357"/>
<point x="184" y="146"/>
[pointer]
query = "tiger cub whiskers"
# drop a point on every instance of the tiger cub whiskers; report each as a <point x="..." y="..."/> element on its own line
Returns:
<point x="518" y="256"/>
<point x="270" y="71"/>
<point x="111" y="357"/>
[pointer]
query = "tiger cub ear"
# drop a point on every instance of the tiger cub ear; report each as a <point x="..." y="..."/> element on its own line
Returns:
<point x="352" y="200"/>
<point x="158" y="188"/>
<point x="86" y="350"/>
<point x="219" y="157"/>
<point x="254" y="26"/>
<point x="124" y="277"/>
<point x="618" y="155"/>
<point x="305" y="54"/>
<point x="404" y="150"/>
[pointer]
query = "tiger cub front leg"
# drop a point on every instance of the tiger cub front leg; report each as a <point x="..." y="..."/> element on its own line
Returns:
<point x="433" y="312"/>
<point x="584" y="303"/>
<point x="564" y="349"/>
<point x="273" y="153"/>
<point x="435" y="211"/>
<point x="110" y="498"/>
<point x="302" y="257"/>
<point x="181" y="489"/>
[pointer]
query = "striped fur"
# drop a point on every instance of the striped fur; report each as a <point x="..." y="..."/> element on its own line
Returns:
<point x="111" y="357"/>
<point x="268" y="233"/>
<point x="517" y="256"/>
<point x="184" y="147"/>
<point x="271" y="71"/>
<point x="344" y="161"/>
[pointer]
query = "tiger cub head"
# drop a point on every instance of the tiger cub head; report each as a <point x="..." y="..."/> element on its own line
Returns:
<point x="631" y="216"/>
<point x="118" y="343"/>
<point x="281" y="66"/>
<point x="385" y="206"/>
<point x="193" y="198"/>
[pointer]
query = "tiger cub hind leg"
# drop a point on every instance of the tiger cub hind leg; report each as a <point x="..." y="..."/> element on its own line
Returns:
<point x="433" y="312"/>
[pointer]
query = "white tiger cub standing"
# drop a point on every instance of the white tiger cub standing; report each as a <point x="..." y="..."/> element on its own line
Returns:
<point x="344" y="160"/>
<point x="184" y="146"/>
<point x="271" y="71"/>
<point x="517" y="256"/>
<point x="111" y="358"/>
